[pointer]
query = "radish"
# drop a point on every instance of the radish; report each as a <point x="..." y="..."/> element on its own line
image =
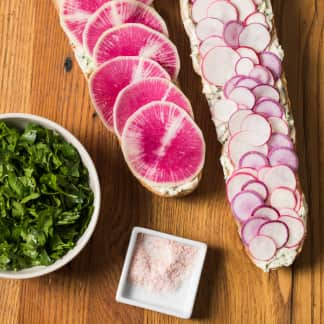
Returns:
<point x="272" y="62"/>
<point x="262" y="172"/>
<point x="255" y="36"/>
<point x="278" y="125"/>
<point x="162" y="145"/>
<point x="108" y="80"/>
<point x="283" y="197"/>
<point x="245" y="8"/>
<point x="249" y="53"/>
<point x="115" y="13"/>
<point x="288" y="212"/>
<point x="284" y="156"/>
<point x="243" y="96"/>
<point x="223" y="109"/>
<point x="257" y="17"/>
<point x="209" y="43"/>
<point x="280" y="176"/>
<point x="267" y="92"/>
<point x="199" y="9"/>
<point x="244" y="66"/>
<point x="251" y="228"/>
<point x="269" y="108"/>
<point x="246" y="170"/>
<point x="299" y="199"/>
<point x="145" y="42"/>
<point x="280" y="141"/>
<point x="248" y="82"/>
<point x="235" y="183"/>
<point x="231" y="84"/>
<point x="208" y="27"/>
<point x="231" y="33"/>
<point x="266" y="211"/>
<point x="138" y="94"/>
<point x="276" y="230"/>
<point x="262" y="74"/>
<point x="258" y="187"/>
<point x="254" y="160"/>
<point x="262" y="248"/>
<point x="296" y="228"/>
<point x="222" y="10"/>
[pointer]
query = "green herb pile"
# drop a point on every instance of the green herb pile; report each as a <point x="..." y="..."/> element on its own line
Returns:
<point x="45" y="199"/>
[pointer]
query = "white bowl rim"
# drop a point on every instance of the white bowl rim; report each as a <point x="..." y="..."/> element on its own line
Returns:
<point x="38" y="271"/>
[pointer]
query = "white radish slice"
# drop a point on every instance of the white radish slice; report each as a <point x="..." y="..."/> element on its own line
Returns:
<point x="284" y="156"/>
<point x="258" y="187"/>
<point x="209" y="43"/>
<point x="257" y="126"/>
<point x="257" y="17"/>
<point x="272" y="62"/>
<point x="218" y="65"/>
<point x="235" y="183"/>
<point x="299" y="199"/>
<point x="267" y="212"/>
<point x="246" y="170"/>
<point x="280" y="141"/>
<point x="266" y="91"/>
<point x="231" y="84"/>
<point x="223" y="109"/>
<point x="156" y="148"/>
<point x="277" y="230"/>
<point x="262" y="248"/>
<point x="255" y="36"/>
<point x="262" y="172"/>
<point x="283" y="197"/>
<point x="262" y="74"/>
<point x="243" y="96"/>
<point x="288" y="212"/>
<point x="296" y="228"/>
<point x="278" y="125"/>
<point x="199" y="9"/>
<point x="236" y="120"/>
<point x="254" y="160"/>
<point x="222" y="10"/>
<point x="269" y="108"/>
<point x="250" y="53"/>
<point x="251" y="228"/>
<point x="244" y="203"/>
<point x="248" y="82"/>
<point x="245" y="8"/>
<point x="244" y="66"/>
<point x="280" y="176"/>
<point x="209" y="27"/>
<point x="231" y="33"/>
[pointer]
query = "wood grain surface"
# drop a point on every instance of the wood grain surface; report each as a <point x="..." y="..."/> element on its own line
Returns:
<point x="32" y="79"/>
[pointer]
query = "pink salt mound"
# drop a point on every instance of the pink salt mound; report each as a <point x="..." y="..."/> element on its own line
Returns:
<point x="160" y="265"/>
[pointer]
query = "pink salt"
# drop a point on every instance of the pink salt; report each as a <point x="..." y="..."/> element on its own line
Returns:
<point x="160" y="265"/>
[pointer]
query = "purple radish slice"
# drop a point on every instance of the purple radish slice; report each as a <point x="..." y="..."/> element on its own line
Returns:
<point x="288" y="212"/>
<point x="248" y="82"/>
<point x="262" y="248"/>
<point x="258" y="187"/>
<point x="255" y="36"/>
<point x="262" y="172"/>
<point x="244" y="8"/>
<point x="243" y="96"/>
<point x="278" y="125"/>
<point x="110" y="78"/>
<point x="244" y="66"/>
<point x="277" y="230"/>
<point x="248" y="52"/>
<point x="280" y="176"/>
<point x="138" y="94"/>
<point x="218" y="65"/>
<point x="283" y="197"/>
<point x="116" y="13"/>
<point x="266" y="91"/>
<point x="235" y="183"/>
<point x="222" y="10"/>
<point x="244" y="203"/>
<point x="272" y="62"/>
<point x="257" y="18"/>
<point x="162" y="145"/>
<point x="223" y="109"/>
<point x="267" y="212"/>
<point x="231" y="33"/>
<point x="284" y="156"/>
<point x="280" y="141"/>
<point x="231" y="84"/>
<point x="208" y="27"/>
<point x="236" y="120"/>
<point x="145" y="42"/>
<point x="209" y="43"/>
<point x="262" y="74"/>
<point x="254" y="160"/>
<point x="199" y="9"/>
<point x="251" y="228"/>
<point x="246" y="170"/>
<point x="296" y="228"/>
<point x="269" y="108"/>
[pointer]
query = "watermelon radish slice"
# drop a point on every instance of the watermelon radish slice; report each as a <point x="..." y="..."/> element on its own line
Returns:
<point x="199" y="9"/>
<point x="251" y="228"/>
<point x="145" y="42"/>
<point x="249" y="53"/>
<point x="296" y="228"/>
<point x="284" y="156"/>
<point x="277" y="230"/>
<point x="208" y="27"/>
<point x="162" y="145"/>
<point x="255" y="36"/>
<point x="236" y="120"/>
<point x="278" y="125"/>
<point x="272" y="62"/>
<point x="280" y="176"/>
<point x="266" y="211"/>
<point x="254" y="160"/>
<point x="209" y="43"/>
<point x="115" y="13"/>
<point x="243" y="96"/>
<point x="245" y="8"/>
<point x="138" y="94"/>
<point x="266" y="91"/>
<point x="231" y="33"/>
<point x="222" y="10"/>
<point x="262" y="248"/>
<point x="113" y="76"/>
<point x="269" y="108"/>
<point x="258" y="187"/>
<point x="283" y="197"/>
<point x="223" y="109"/>
<point x="236" y="182"/>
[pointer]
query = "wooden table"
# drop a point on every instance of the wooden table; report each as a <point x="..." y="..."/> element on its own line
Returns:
<point x="32" y="79"/>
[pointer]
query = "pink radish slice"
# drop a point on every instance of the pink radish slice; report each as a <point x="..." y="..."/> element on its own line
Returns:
<point x="267" y="212"/>
<point x="199" y="9"/>
<point x="277" y="230"/>
<point x="222" y="10"/>
<point x="243" y="96"/>
<point x="280" y="141"/>
<point x="246" y="170"/>
<point x="245" y="8"/>
<point x="257" y="17"/>
<point x="266" y="91"/>
<point x="288" y="212"/>
<point x="251" y="228"/>
<point x="231" y="84"/>
<point x="269" y="108"/>
<point x="299" y="200"/>
<point x="236" y="120"/>
<point x="296" y="228"/>
<point x="262" y="172"/>
<point x="244" y="203"/>
<point x="284" y="156"/>
<point x="110" y="78"/>
<point x="231" y="33"/>
<point x="283" y="197"/>
<point x="244" y="66"/>
<point x="223" y="109"/>
<point x="255" y="36"/>
<point x="208" y="27"/>
<point x="218" y="65"/>
<point x="162" y="145"/>
<point x="258" y="187"/>
<point x="254" y="160"/>
<point x="278" y="125"/>
<point x="209" y="43"/>
<point x="146" y="43"/>
<point x="249" y="53"/>
<point x="138" y="94"/>
<point x="248" y="82"/>
<point x="115" y="13"/>
<point x="262" y="248"/>
<point x="261" y="73"/>
<point x="272" y="62"/>
<point x="257" y="2"/>
<point x="235" y="183"/>
<point x="280" y="176"/>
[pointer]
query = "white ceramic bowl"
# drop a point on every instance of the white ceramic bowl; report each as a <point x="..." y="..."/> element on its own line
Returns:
<point x="20" y="121"/>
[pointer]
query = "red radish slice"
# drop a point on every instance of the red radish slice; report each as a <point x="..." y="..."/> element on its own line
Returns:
<point x="245" y="8"/>
<point x="262" y="172"/>
<point x="208" y="27"/>
<point x="272" y="62"/>
<point x="255" y="36"/>
<point x="236" y="120"/>
<point x="278" y="125"/>
<point x="283" y="197"/>
<point x="258" y="187"/>
<point x="250" y="53"/>
<point x="199" y="9"/>
<point x="269" y="108"/>
<point x="251" y="228"/>
<point x="288" y="212"/>
<point x="113" y="76"/>
<point x="235" y="183"/>
<point x="299" y="200"/>
<point x="244" y="203"/>
<point x="162" y="145"/>
<point x="115" y="13"/>
<point x="259" y="127"/>
<point x="244" y="66"/>
<point x="284" y="156"/>
<point x="261" y="73"/>
<point x="266" y="91"/>
<point x="262" y="248"/>
<point x="296" y="229"/>
<point x="280" y="176"/>
<point x="222" y="10"/>
<point x="209" y="43"/>
<point x="218" y="65"/>
<point x="243" y="96"/>
<point x="138" y="94"/>
<point x="277" y="230"/>
<point x="223" y="109"/>
<point x="257" y="17"/>
<point x="254" y="160"/>
<point x="146" y="43"/>
<point x="231" y="84"/>
<point x="267" y="212"/>
<point x="246" y="170"/>
<point x="280" y="141"/>
<point x="247" y="82"/>
<point x="231" y="33"/>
